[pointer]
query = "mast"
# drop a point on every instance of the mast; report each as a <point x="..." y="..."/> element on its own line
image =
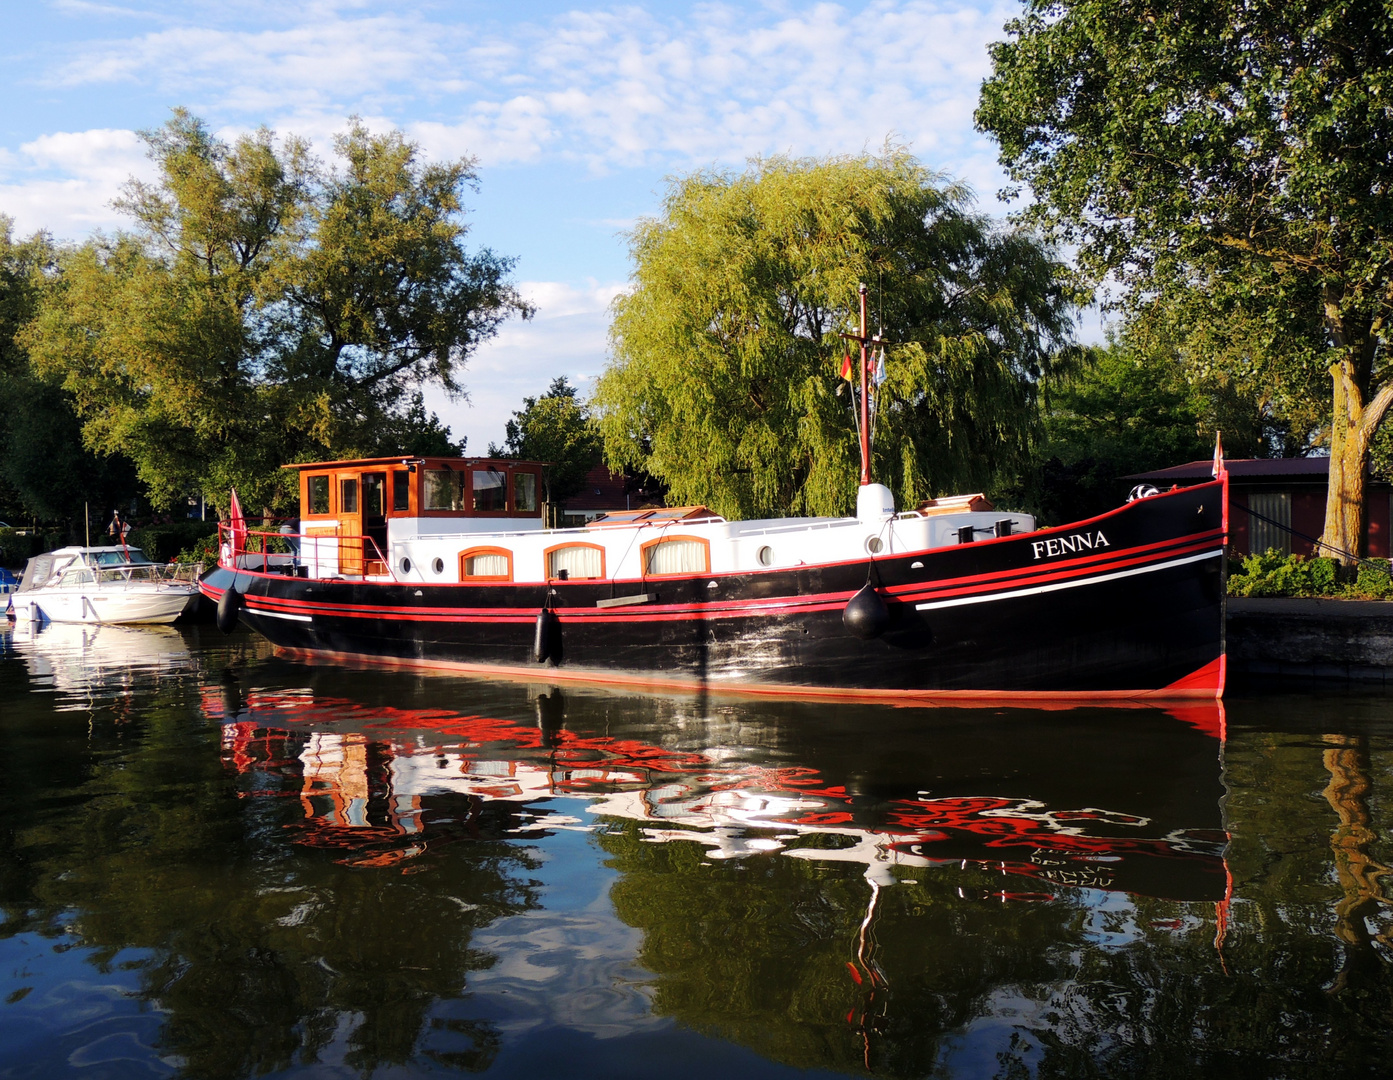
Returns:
<point x="861" y="338"/>
<point x="865" y="408"/>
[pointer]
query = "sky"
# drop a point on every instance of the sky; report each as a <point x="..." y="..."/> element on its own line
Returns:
<point x="576" y="113"/>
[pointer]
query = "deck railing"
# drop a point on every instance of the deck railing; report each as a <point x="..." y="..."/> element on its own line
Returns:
<point x="350" y="555"/>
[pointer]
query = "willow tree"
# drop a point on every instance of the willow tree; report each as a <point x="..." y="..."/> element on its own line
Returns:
<point x="1236" y="151"/>
<point x="724" y="381"/>
<point x="267" y="307"/>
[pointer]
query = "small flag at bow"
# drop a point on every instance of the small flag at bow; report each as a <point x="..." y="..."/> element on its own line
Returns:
<point x="1219" y="468"/>
<point x="237" y="525"/>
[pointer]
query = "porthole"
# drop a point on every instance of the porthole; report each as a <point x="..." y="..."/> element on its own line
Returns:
<point x="438" y="566"/>
<point x="406" y="566"/>
<point x="765" y="556"/>
<point x="874" y="545"/>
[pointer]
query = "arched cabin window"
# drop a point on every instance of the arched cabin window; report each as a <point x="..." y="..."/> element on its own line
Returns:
<point x="675" y="555"/>
<point x="579" y="561"/>
<point x="486" y="564"/>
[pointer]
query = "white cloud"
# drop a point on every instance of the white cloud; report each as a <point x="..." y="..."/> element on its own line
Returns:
<point x="65" y="182"/>
<point x="568" y="336"/>
<point x="608" y="88"/>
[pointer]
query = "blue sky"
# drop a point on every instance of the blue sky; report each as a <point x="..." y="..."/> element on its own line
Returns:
<point x="576" y="114"/>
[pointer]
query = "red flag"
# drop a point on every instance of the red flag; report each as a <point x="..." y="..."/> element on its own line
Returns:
<point x="847" y="371"/>
<point x="237" y="526"/>
<point x="1219" y="468"/>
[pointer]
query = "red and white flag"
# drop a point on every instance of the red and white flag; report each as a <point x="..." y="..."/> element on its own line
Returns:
<point x="237" y="526"/>
<point x="1219" y="468"/>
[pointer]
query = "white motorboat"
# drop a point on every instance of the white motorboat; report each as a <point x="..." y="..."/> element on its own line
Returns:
<point x="103" y="585"/>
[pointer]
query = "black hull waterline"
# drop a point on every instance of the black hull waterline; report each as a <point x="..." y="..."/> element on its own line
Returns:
<point x="1126" y="605"/>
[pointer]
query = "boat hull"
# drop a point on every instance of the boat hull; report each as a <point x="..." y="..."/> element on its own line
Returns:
<point x="1129" y="604"/>
<point x="126" y="606"/>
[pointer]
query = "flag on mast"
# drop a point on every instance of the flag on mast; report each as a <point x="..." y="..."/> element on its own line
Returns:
<point x="880" y="367"/>
<point x="847" y="371"/>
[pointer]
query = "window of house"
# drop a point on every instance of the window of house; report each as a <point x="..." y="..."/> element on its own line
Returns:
<point x="524" y="493"/>
<point x="578" y="560"/>
<point x="444" y="489"/>
<point x="490" y="490"/>
<point x="676" y="555"/>
<point x="492" y="564"/>
<point x="348" y="495"/>
<point x="401" y="491"/>
<point x="1271" y="534"/>
<point x="319" y="494"/>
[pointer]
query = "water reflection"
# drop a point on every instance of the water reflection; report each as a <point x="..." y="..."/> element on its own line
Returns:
<point x="220" y="864"/>
<point x="1063" y="802"/>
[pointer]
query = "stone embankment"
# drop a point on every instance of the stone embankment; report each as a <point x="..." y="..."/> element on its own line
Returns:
<point x="1329" y="640"/>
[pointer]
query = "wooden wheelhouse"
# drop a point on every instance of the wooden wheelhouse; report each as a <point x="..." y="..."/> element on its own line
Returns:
<point x="347" y="508"/>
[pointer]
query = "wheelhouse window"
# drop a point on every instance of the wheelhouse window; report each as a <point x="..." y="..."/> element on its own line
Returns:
<point x="444" y="489"/>
<point x="401" y="491"/>
<point x="676" y="555"/>
<point x="318" y="491"/>
<point x="348" y="495"/>
<point x="486" y="564"/>
<point x="524" y="493"/>
<point x="577" y="561"/>
<point x="490" y="490"/>
<point x="373" y="484"/>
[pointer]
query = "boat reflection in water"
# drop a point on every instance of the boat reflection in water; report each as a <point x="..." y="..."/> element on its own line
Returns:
<point x="82" y="662"/>
<point x="802" y="889"/>
<point x="1061" y="803"/>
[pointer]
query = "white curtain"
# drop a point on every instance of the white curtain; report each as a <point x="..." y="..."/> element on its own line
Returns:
<point x="486" y="566"/>
<point x="578" y="562"/>
<point x="677" y="557"/>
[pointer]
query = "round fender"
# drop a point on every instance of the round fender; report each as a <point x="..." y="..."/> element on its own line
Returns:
<point x="865" y="614"/>
<point x="228" y="605"/>
<point x="545" y="636"/>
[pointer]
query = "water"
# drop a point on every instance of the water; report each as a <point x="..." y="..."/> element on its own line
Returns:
<point x="217" y="863"/>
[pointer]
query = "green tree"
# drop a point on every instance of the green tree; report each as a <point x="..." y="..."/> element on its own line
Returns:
<point x="1142" y="403"/>
<point x="267" y="308"/>
<point x="726" y="351"/>
<point x="45" y="473"/>
<point x="557" y="429"/>
<point x="1232" y="158"/>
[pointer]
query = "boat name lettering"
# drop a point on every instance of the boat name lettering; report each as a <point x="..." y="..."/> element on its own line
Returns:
<point x="1075" y="542"/>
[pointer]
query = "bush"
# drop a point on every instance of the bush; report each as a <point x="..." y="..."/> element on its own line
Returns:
<point x="1273" y="574"/>
<point x="16" y="549"/>
<point x="204" y="550"/>
<point x="163" y="543"/>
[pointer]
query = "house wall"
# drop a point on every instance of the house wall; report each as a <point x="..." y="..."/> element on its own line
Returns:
<point x="1308" y="517"/>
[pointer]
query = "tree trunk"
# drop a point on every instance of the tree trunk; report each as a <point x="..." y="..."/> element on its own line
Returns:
<point x="1344" y="499"/>
<point x="1352" y="429"/>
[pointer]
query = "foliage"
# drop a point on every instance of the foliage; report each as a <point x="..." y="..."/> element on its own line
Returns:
<point x="204" y="550"/>
<point x="267" y="308"/>
<point x="1274" y="574"/>
<point x="726" y="351"/>
<point x="1120" y="413"/>
<point x="1139" y="404"/>
<point x="164" y="543"/>
<point x="557" y="429"/>
<point x="1228" y="159"/>
<point x="45" y="473"/>
<point x="17" y="548"/>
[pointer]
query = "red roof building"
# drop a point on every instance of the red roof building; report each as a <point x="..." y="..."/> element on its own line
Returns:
<point x="1289" y="494"/>
<point x="607" y="492"/>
